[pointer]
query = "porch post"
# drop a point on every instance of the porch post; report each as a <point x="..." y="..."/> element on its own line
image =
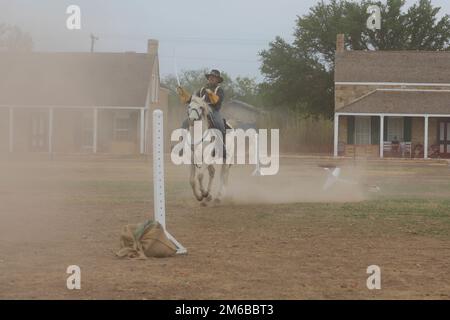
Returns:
<point x="142" y="131"/>
<point x="425" y="143"/>
<point x="50" y="130"/>
<point x="94" y="131"/>
<point x="11" y="129"/>
<point x="336" y="134"/>
<point x="381" y="136"/>
<point x="146" y="140"/>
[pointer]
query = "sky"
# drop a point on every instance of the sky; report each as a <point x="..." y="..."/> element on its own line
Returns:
<point x="222" y="34"/>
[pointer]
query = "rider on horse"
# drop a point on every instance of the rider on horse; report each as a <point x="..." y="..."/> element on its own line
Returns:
<point x="214" y="96"/>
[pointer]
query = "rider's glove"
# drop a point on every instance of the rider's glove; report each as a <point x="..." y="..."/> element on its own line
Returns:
<point x="213" y="98"/>
<point x="185" y="96"/>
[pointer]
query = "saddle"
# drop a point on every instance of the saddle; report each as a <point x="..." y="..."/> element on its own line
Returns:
<point x="226" y="123"/>
<point x="227" y="126"/>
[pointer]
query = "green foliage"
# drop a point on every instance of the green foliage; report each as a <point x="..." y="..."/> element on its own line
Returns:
<point x="247" y="90"/>
<point x="300" y="75"/>
<point x="14" y="39"/>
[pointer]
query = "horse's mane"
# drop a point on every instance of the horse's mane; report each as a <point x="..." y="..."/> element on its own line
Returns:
<point x="198" y="100"/>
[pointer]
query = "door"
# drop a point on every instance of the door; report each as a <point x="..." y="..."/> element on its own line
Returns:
<point x="444" y="138"/>
<point x="39" y="131"/>
<point x="362" y="130"/>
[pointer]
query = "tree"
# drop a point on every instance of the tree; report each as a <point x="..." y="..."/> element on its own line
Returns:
<point x="300" y="75"/>
<point x="247" y="90"/>
<point x="12" y="38"/>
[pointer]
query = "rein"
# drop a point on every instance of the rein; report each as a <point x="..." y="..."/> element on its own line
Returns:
<point x="201" y="116"/>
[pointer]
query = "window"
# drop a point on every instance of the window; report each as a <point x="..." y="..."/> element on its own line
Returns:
<point x="362" y="130"/>
<point x="122" y="124"/>
<point x="395" y="129"/>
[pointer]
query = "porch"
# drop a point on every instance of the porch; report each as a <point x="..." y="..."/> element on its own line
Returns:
<point x="382" y="135"/>
<point x="64" y="129"/>
<point x="410" y="123"/>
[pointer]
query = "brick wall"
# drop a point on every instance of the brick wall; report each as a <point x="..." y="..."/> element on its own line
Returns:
<point x="417" y="131"/>
<point x="342" y="129"/>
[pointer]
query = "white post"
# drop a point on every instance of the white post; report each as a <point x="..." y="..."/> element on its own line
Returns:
<point x="94" y="131"/>
<point x="146" y="140"/>
<point x="336" y="134"/>
<point x="158" y="177"/>
<point x="11" y="129"/>
<point x="50" y="130"/>
<point x="158" y="168"/>
<point x="425" y="143"/>
<point x="142" y="131"/>
<point x="381" y="136"/>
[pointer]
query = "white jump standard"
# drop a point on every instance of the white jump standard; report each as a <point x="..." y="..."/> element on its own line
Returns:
<point x="158" y="177"/>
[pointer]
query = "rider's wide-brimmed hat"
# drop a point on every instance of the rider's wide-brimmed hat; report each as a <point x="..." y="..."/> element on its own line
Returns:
<point x="214" y="73"/>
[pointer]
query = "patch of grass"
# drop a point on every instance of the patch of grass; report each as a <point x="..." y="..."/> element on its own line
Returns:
<point x="410" y="216"/>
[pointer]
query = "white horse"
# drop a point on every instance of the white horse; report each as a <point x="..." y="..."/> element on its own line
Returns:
<point x="198" y="110"/>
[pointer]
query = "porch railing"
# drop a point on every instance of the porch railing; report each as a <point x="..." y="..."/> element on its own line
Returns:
<point x="401" y="149"/>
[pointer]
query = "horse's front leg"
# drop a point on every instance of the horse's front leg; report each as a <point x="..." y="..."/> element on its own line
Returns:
<point x="212" y="172"/>
<point x="194" y="182"/>
<point x="200" y="183"/>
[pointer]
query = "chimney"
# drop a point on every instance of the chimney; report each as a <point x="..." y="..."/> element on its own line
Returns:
<point x="340" y="43"/>
<point x="152" y="47"/>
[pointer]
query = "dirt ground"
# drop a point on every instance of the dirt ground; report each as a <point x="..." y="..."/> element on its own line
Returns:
<point x="275" y="237"/>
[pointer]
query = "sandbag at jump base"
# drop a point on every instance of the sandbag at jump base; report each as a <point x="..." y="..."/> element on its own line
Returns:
<point x="145" y="240"/>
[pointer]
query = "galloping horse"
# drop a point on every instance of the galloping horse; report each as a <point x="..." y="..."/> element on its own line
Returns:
<point x="198" y="110"/>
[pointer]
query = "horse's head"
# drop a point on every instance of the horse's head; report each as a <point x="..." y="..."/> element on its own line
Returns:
<point x="197" y="109"/>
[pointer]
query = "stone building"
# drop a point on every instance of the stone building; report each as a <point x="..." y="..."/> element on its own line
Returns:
<point x="391" y="103"/>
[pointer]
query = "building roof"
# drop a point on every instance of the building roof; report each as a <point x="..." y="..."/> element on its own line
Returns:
<point x="393" y="66"/>
<point x="244" y="105"/>
<point x="240" y="114"/>
<point x="75" y="79"/>
<point x="401" y="102"/>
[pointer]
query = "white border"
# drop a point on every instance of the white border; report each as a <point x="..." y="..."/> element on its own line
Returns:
<point x="392" y="84"/>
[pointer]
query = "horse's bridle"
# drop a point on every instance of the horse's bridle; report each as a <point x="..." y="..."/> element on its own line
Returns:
<point x="199" y="117"/>
<point x="189" y="110"/>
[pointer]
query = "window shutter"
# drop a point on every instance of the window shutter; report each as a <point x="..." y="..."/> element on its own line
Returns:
<point x="407" y="124"/>
<point x="350" y="130"/>
<point x="375" y="129"/>
<point x="385" y="133"/>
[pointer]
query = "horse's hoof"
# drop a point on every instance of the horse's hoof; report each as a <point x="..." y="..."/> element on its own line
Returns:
<point x="203" y="204"/>
<point x="209" y="198"/>
<point x="217" y="201"/>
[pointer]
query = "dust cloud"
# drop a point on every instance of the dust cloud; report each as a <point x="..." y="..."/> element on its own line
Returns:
<point x="296" y="183"/>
